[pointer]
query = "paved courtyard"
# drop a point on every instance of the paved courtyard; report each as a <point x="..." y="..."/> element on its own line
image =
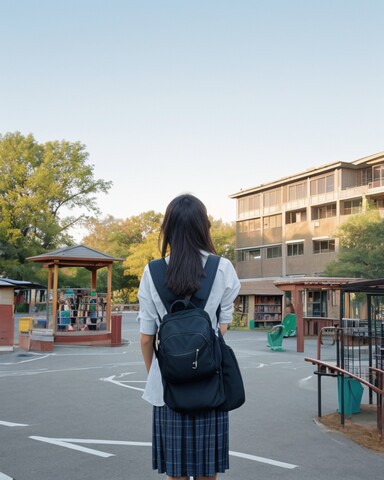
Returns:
<point x="77" y="414"/>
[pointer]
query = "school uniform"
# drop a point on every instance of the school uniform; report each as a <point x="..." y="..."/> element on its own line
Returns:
<point x="183" y="444"/>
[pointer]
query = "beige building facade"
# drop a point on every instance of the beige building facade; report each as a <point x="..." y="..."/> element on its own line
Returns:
<point x="287" y="228"/>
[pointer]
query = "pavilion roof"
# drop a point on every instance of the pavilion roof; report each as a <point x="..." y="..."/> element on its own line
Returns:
<point x="76" y="256"/>
<point x="315" y="281"/>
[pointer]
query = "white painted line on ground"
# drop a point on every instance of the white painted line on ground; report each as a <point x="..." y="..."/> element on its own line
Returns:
<point x="263" y="460"/>
<point x="87" y="354"/>
<point x="39" y="357"/>
<point x="122" y="383"/>
<point x="11" y="424"/>
<point x="44" y="370"/>
<point x="259" y="365"/>
<point x="72" y="444"/>
<point x="107" y="442"/>
<point x="303" y="382"/>
<point x="62" y="443"/>
<point x="5" y="477"/>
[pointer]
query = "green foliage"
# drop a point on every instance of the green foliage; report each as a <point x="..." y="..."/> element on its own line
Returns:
<point x="142" y="253"/>
<point x="126" y="239"/>
<point x="22" y="308"/>
<point x="224" y="238"/>
<point x="116" y="237"/>
<point x="361" y="247"/>
<point x="38" y="184"/>
<point x="136" y="239"/>
<point x="239" y="320"/>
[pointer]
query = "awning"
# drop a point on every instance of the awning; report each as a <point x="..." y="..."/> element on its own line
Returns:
<point x="259" y="286"/>
<point x="21" y="284"/>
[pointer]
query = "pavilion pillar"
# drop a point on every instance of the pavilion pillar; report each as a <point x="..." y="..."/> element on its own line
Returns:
<point x="298" y="304"/>
<point x="109" y="298"/>
<point x="94" y="280"/>
<point x="54" y="295"/>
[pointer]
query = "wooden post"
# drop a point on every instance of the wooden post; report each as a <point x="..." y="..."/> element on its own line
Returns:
<point x="49" y="298"/>
<point x="109" y="298"/>
<point x="54" y="295"/>
<point x="299" y="321"/>
<point x="251" y="309"/>
<point x="94" y="280"/>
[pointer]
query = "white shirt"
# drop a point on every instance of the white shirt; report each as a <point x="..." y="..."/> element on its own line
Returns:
<point x="225" y="288"/>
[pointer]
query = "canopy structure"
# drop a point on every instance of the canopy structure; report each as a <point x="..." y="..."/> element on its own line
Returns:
<point x="76" y="256"/>
<point x="374" y="287"/>
<point x="20" y="284"/>
<point x="298" y="286"/>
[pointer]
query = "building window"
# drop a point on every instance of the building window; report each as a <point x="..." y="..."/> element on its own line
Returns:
<point x="323" y="246"/>
<point x="351" y="206"/>
<point x="272" y="221"/>
<point x="248" y="206"/>
<point x="297" y="191"/>
<point x="249" y="225"/>
<point x="378" y="175"/>
<point x="355" y="178"/>
<point x="316" y="303"/>
<point x="296" y="216"/>
<point x="378" y="202"/>
<point x="325" y="211"/>
<point x="295" y="249"/>
<point x="274" y="252"/>
<point x="322" y="185"/>
<point x="272" y="198"/>
<point x="246" y="255"/>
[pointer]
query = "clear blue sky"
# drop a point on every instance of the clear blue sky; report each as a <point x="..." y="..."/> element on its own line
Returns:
<point x="201" y="96"/>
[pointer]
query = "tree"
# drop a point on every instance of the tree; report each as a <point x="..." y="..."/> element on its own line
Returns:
<point x="141" y="254"/>
<point x="38" y="182"/>
<point x="361" y="243"/>
<point x="122" y="239"/>
<point x="116" y="236"/>
<point x="39" y="185"/>
<point x="224" y="238"/>
<point x="137" y="240"/>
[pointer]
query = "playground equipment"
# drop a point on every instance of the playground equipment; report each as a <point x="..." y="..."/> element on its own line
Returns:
<point x="287" y="328"/>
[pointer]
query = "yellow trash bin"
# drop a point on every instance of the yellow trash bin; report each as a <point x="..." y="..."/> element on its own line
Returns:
<point x="25" y="324"/>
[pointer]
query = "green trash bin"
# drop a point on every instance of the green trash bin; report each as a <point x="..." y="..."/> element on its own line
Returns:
<point x="353" y="393"/>
<point x="275" y="338"/>
<point x="252" y="324"/>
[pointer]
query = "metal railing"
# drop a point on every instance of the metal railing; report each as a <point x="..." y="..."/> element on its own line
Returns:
<point x="330" y="370"/>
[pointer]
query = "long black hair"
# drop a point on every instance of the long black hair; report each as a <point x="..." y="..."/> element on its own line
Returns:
<point x="184" y="232"/>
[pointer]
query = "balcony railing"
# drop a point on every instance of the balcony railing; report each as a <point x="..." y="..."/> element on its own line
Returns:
<point x="322" y="198"/>
<point x="376" y="184"/>
<point x="353" y="192"/>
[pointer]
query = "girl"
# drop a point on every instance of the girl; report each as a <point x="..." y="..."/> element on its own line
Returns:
<point x="185" y="445"/>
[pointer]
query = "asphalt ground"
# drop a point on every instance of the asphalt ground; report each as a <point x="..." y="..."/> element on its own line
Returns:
<point x="77" y="414"/>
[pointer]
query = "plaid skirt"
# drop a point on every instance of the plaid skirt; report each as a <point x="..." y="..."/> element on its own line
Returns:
<point x="189" y="445"/>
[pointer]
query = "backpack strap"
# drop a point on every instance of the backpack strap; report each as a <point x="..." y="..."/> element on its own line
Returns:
<point x="158" y="269"/>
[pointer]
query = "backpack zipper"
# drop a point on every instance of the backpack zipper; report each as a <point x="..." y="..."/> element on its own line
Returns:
<point x="194" y="364"/>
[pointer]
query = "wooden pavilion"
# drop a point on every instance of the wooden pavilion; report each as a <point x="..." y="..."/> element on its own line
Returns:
<point x="63" y="331"/>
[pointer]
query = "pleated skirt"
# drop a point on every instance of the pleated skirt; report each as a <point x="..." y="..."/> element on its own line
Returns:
<point x="190" y="445"/>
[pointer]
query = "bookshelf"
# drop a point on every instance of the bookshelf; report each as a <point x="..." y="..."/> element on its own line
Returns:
<point x="267" y="309"/>
<point x="80" y="310"/>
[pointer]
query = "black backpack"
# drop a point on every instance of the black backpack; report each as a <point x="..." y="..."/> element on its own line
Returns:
<point x="186" y="346"/>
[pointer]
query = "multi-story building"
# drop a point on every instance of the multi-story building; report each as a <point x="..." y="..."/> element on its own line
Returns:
<point x="287" y="228"/>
